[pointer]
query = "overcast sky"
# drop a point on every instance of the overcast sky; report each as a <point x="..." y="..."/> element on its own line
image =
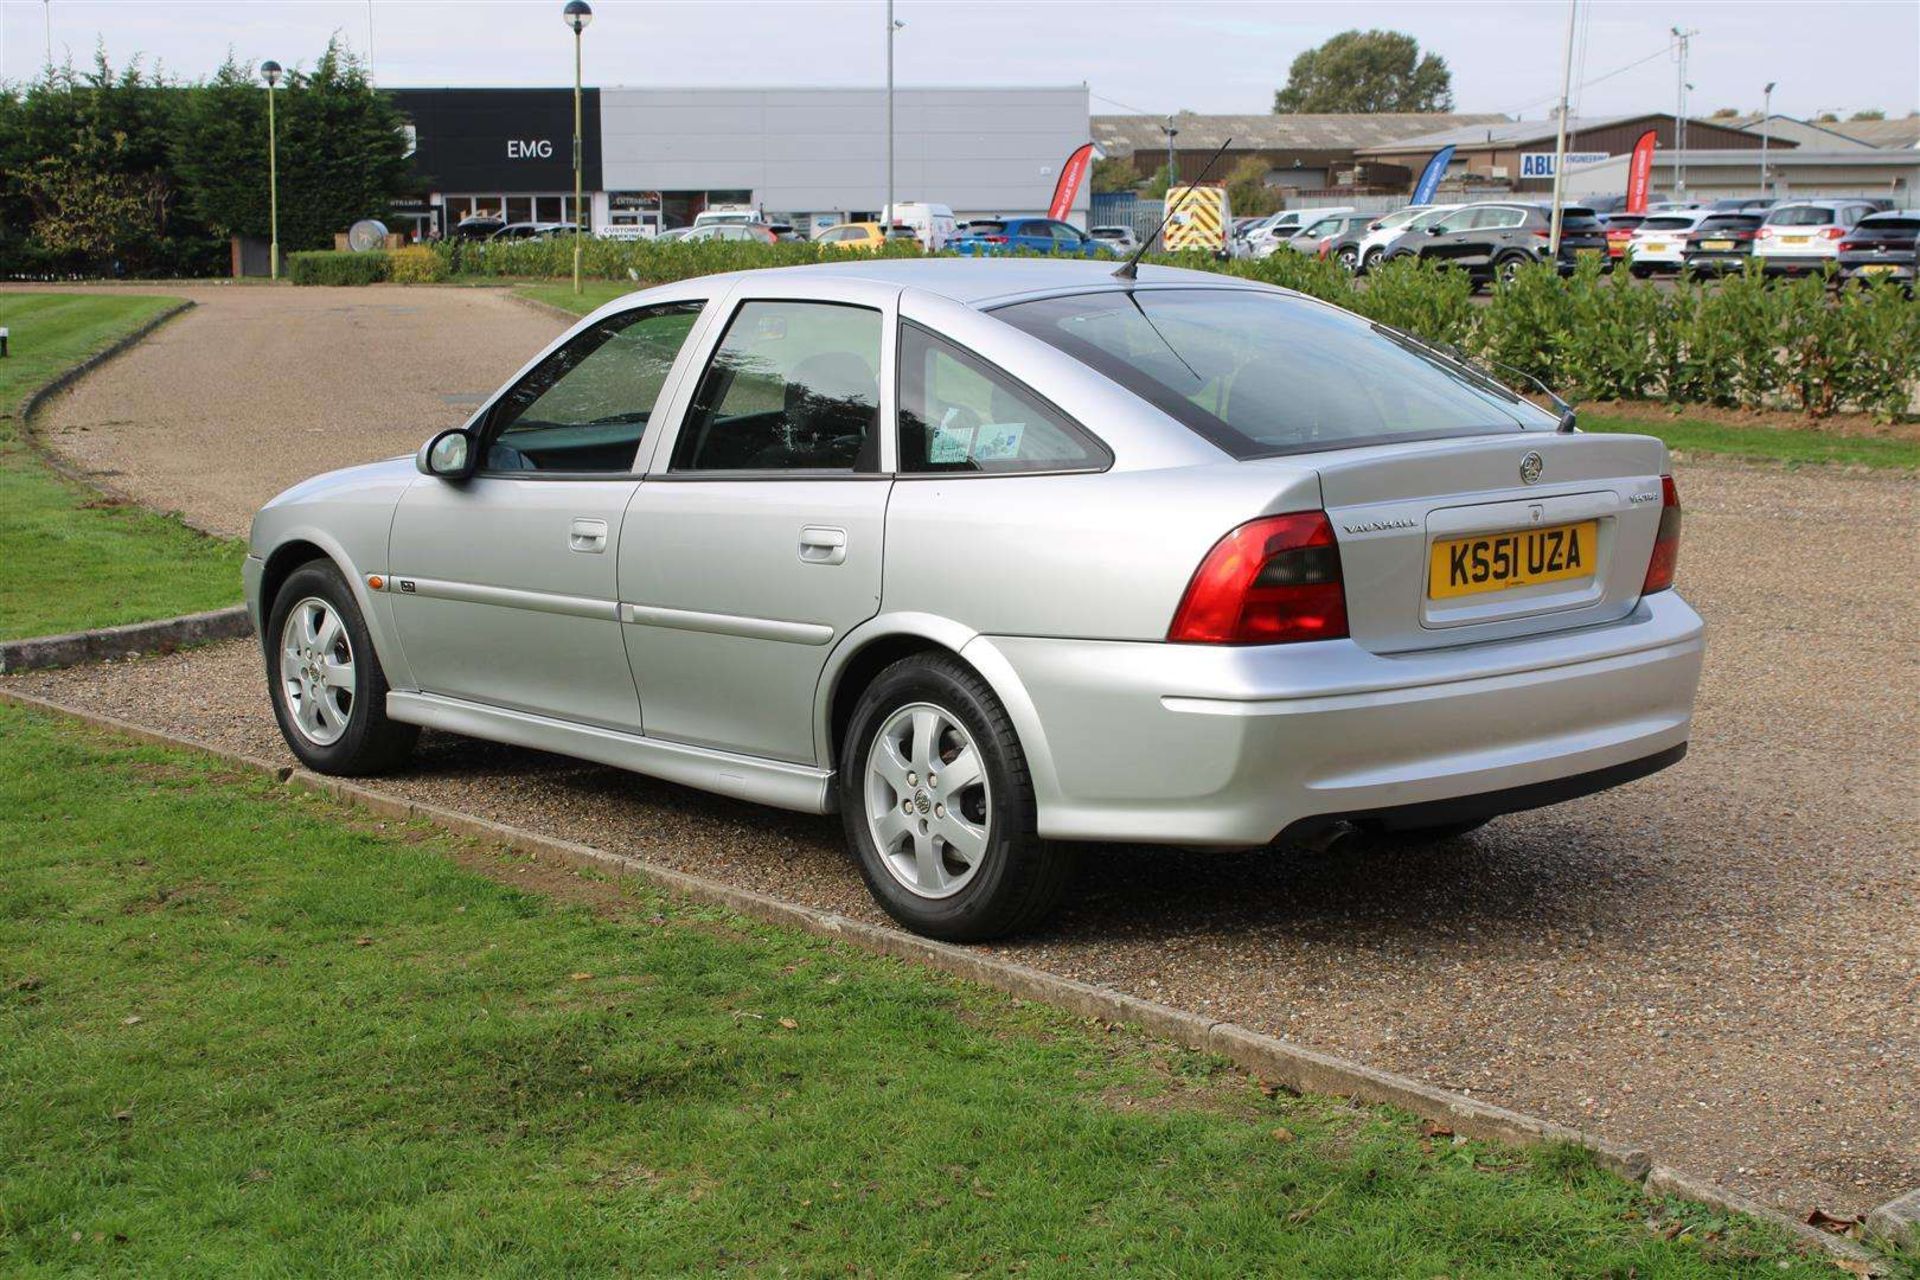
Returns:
<point x="1155" y="55"/>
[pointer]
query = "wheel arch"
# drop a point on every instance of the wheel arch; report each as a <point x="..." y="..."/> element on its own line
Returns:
<point x="881" y="641"/>
<point x="305" y="544"/>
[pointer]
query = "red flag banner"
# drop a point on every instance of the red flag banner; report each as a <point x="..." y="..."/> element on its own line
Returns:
<point x="1639" y="171"/>
<point x="1067" y="189"/>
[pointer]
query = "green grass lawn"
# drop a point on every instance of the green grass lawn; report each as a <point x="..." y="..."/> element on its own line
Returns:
<point x="69" y="559"/>
<point x="246" y="1031"/>
<point x="1763" y="444"/>
<point x="594" y="293"/>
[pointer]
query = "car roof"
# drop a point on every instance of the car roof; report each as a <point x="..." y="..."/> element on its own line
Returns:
<point x="976" y="281"/>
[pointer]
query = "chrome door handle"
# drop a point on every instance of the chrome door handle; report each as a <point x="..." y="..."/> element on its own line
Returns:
<point x="820" y="544"/>
<point x="588" y="536"/>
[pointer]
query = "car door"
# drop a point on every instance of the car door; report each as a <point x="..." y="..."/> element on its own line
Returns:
<point x="1034" y="235"/>
<point x="755" y="542"/>
<point x="504" y="584"/>
<point x="1445" y="241"/>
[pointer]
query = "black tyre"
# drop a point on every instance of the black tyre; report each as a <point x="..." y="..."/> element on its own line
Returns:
<point x="329" y="693"/>
<point x="1349" y="259"/>
<point x="1372" y="260"/>
<point x="1641" y="273"/>
<point x="955" y="857"/>
<point x="1509" y="267"/>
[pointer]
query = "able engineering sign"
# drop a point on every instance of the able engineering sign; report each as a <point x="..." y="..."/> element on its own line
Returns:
<point x="1539" y="164"/>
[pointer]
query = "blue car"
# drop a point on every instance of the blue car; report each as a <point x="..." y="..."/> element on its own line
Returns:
<point x="1033" y="235"/>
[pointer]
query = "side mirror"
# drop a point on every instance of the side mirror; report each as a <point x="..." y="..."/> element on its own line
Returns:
<point x="448" y="455"/>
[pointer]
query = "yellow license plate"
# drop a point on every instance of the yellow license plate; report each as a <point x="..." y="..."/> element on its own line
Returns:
<point x="1877" y="268"/>
<point x="1521" y="558"/>
<point x="1655" y="246"/>
<point x="1716" y="244"/>
<point x="1588" y="253"/>
<point x="1795" y="239"/>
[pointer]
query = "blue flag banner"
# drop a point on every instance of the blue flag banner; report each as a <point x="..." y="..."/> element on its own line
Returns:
<point x="1430" y="176"/>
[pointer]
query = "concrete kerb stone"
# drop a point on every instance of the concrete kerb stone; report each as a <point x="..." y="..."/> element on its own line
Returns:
<point x="1265" y="1057"/>
<point x="39" y="653"/>
<point x="65" y="379"/>
<point x="1897" y="1222"/>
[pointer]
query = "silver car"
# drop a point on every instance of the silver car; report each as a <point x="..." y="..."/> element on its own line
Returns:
<point x="997" y="558"/>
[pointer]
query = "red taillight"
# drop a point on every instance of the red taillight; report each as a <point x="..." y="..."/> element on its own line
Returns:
<point x="1833" y="233"/>
<point x="1274" y="580"/>
<point x="1666" y="544"/>
<point x="994" y="239"/>
<point x="1849" y="246"/>
<point x="1764" y="233"/>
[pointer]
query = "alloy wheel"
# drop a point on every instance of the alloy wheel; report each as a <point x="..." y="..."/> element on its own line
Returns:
<point x="317" y="671"/>
<point x="929" y="808"/>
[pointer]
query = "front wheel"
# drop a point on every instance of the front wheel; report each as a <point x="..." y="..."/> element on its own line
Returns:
<point x="329" y="692"/>
<point x="1372" y="261"/>
<point x="1349" y="260"/>
<point x="938" y="806"/>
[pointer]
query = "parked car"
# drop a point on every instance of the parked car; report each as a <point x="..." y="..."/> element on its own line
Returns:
<point x="1743" y="204"/>
<point x="1051" y="596"/>
<point x="718" y="214"/>
<point x="760" y="232"/>
<point x="1270" y="234"/>
<point x="1657" y="244"/>
<point x="1387" y="227"/>
<point x="1804" y="235"/>
<point x="673" y="233"/>
<point x="864" y="236"/>
<point x="1619" y="228"/>
<point x="1404" y="241"/>
<point x="1722" y="243"/>
<point x="1494" y="240"/>
<point x="1121" y="240"/>
<point x="932" y="224"/>
<point x="785" y="231"/>
<point x="1337" y="238"/>
<point x="478" y="228"/>
<point x="1881" y="247"/>
<point x="1035" y="235"/>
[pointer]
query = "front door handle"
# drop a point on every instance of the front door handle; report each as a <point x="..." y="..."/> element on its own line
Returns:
<point x="587" y="536"/>
<point x="820" y="544"/>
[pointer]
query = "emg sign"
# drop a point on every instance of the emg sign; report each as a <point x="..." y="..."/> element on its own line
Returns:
<point x="1539" y="164"/>
<point x="534" y="149"/>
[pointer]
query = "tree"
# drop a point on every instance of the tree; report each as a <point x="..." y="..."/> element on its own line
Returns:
<point x="1871" y="113"/>
<point x="1367" y="72"/>
<point x="1248" y="191"/>
<point x="1113" y="173"/>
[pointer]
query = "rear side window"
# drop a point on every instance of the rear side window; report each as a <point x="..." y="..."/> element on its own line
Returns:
<point x="1260" y="374"/>
<point x="792" y="386"/>
<point x="959" y="413"/>
<point x="1804" y="215"/>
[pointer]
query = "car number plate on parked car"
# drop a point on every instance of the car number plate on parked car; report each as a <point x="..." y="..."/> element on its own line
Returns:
<point x="1654" y="246"/>
<point x="1716" y="244"/>
<point x="1795" y="239"/>
<point x="1521" y="558"/>
<point x="1876" y="268"/>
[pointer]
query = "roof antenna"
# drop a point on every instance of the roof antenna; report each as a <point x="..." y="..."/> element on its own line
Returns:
<point x="1130" y="269"/>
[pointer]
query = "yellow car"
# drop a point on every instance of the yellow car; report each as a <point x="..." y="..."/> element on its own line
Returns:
<point x="864" y="236"/>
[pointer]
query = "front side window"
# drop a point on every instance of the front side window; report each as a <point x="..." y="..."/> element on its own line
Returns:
<point x="793" y="386"/>
<point x="958" y="413"/>
<point x="585" y="408"/>
<point x="1260" y="374"/>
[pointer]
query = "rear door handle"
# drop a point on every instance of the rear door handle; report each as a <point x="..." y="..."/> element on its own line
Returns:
<point x="821" y="544"/>
<point x="587" y="536"/>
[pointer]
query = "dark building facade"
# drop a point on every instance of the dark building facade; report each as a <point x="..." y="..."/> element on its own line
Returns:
<point x="500" y="152"/>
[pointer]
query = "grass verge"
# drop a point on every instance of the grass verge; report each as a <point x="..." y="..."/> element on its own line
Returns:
<point x="245" y="1030"/>
<point x="1793" y="445"/>
<point x="593" y="294"/>
<point x="71" y="560"/>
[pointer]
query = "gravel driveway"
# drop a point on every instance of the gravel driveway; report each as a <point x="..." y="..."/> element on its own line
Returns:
<point x="1721" y="962"/>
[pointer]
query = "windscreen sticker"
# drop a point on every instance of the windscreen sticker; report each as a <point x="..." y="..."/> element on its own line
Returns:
<point x="951" y="444"/>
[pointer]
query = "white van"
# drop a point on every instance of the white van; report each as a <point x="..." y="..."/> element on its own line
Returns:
<point x="722" y="214"/>
<point x="933" y="224"/>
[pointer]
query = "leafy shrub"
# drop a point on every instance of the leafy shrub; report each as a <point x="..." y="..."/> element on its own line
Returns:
<point x="1526" y="324"/>
<point x="1421" y="298"/>
<point x="330" y="266"/>
<point x="645" y="261"/>
<point x="417" y="266"/>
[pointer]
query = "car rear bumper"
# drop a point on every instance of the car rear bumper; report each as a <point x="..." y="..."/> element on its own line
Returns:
<point x="1882" y="269"/>
<point x="1211" y="745"/>
<point x="1785" y="264"/>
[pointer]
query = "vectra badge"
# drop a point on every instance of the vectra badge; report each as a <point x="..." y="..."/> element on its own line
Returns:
<point x="1531" y="466"/>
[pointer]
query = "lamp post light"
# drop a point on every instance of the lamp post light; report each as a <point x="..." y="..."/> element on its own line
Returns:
<point x="577" y="15"/>
<point x="1766" y="126"/>
<point x="270" y="72"/>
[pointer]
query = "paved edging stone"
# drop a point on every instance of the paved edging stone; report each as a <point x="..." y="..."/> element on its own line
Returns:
<point x="1266" y="1057"/>
<point x="38" y="653"/>
<point x="1897" y="1222"/>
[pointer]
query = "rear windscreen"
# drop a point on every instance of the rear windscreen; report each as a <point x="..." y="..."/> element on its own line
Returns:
<point x="1884" y="224"/>
<point x="1731" y="222"/>
<point x="1260" y="373"/>
<point x="1579" y="220"/>
<point x="1805" y="215"/>
<point x="986" y="228"/>
<point x="1666" y="224"/>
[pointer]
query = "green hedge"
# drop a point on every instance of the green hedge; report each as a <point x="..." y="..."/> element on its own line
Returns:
<point x="1740" y="343"/>
<point x="329" y="266"/>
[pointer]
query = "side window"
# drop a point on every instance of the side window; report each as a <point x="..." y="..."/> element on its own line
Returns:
<point x="958" y="413"/>
<point x="585" y="407"/>
<point x="793" y="386"/>
<point x="1066" y="234"/>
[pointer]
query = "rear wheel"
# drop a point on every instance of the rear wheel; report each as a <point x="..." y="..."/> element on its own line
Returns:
<point x="329" y="693"/>
<point x="938" y="806"/>
<point x="1349" y="259"/>
<point x="1508" y="267"/>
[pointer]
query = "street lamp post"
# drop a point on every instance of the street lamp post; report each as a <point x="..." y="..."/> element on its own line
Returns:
<point x="1560" y="139"/>
<point x="270" y="72"/>
<point x="893" y="27"/>
<point x="577" y="14"/>
<point x="1766" y="126"/>
<point x="1683" y="41"/>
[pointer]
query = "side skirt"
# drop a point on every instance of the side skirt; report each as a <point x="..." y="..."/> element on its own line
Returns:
<point x="778" y="783"/>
